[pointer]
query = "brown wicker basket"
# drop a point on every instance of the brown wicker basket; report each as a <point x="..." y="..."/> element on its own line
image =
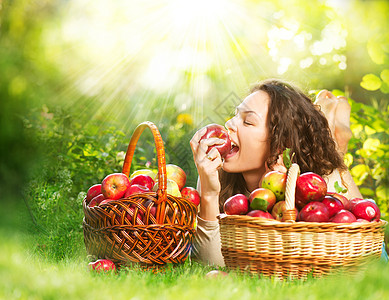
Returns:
<point x="295" y="249"/>
<point x="126" y="231"/>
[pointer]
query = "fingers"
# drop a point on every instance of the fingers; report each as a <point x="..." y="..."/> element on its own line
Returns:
<point x="194" y="142"/>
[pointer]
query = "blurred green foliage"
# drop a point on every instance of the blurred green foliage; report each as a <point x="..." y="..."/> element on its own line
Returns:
<point x="77" y="77"/>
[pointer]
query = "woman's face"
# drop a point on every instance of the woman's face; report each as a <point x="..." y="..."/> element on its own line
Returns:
<point x="248" y="131"/>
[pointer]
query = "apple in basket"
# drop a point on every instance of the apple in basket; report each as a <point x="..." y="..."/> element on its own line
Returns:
<point x="343" y="216"/>
<point x="152" y="209"/>
<point x="93" y="191"/>
<point x="333" y="204"/>
<point x="346" y="202"/>
<point x="218" y="131"/>
<point x="104" y="265"/>
<point x="146" y="172"/>
<point x="366" y="209"/>
<point x="135" y="189"/>
<point x="176" y="174"/>
<point x="263" y="199"/>
<point x="279" y="209"/>
<point x="236" y="205"/>
<point x="143" y="180"/>
<point x="96" y="200"/>
<point x="310" y="187"/>
<point x="115" y="185"/>
<point x="260" y="214"/>
<point x="172" y="188"/>
<point x="314" y="212"/>
<point x="276" y="182"/>
<point x="191" y="194"/>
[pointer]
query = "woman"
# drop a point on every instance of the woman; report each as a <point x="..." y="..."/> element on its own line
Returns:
<point x="275" y="116"/>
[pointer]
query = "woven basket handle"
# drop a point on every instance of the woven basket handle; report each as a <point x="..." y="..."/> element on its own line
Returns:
<point x="162" y="178"/>
<point x="293" y="174"/>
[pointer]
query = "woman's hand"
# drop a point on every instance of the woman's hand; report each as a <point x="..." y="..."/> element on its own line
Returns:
<point x="207" y="164"/>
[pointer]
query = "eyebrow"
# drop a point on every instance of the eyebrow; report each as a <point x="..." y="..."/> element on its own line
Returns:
<point x="237" y="109"/>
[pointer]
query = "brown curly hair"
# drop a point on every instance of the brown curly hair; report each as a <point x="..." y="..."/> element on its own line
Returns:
<point x="294" y="122"/>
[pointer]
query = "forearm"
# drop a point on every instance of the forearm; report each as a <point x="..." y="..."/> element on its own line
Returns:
<point x="352" y="188"/>
<point x="209" y="207"/>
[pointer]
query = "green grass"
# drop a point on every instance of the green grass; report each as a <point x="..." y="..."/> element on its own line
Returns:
<point x="27" y="274"/>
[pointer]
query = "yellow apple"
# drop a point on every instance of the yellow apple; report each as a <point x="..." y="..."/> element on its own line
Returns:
<point x="147" y="172"/>
<point x="172" y="188"/>
<point x="176" y="174"/>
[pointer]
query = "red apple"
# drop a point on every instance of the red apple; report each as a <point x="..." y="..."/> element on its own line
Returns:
<point x="343" y="216"/>
<point x="215" y="274"/>
<point x="354" y="201"/>
<point x="236" y="205"/>
<point x="260" y="214"/>
<point x="276" y="182"/>
<point x="135" y="189"/>
<point x="310" y="187"/>
<point x="115" y="185"/>
<point x="129" y="215"/>
<point x="93" y="191"/>
<point x="314" y="211"/>
<point x="143" y="180"/>
<point x="346" y="202"/>
<point x="104" y="265"/>
<point x="105" y="201"/>
<point x="176" y="174"/>
<point x="362" y="221"/>
<point x="367" y="210"/>
<point x="263" y="199"/>
<point x="96" y="200"/>
<point x="218" y="131"/>
<point x="191" y="194"/>
<point x="279" y="209"/>
<point x="333" y="204"/>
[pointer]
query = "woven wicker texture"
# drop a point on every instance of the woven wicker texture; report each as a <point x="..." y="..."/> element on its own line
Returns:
<point x="295" y="249"/>
<point x="153" y="228"/>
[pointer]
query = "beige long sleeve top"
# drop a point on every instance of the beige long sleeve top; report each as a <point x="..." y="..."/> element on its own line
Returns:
<point x="207" y="245"/>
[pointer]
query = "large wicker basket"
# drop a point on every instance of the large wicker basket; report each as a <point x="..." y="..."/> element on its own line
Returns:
<point x="115" y="230"/>
<point x="295" y="249"/>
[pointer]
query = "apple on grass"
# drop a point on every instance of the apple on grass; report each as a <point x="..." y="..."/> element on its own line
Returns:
<point x="236" y="205"/>
<point x="104" y="265"/>
<point x="215" y="274"/>
<point x="191" y="194"/>
<point x="314" y="212"/>
<point x="260" y="214"/>
<point x="310" y="187"/>
<point x="343" y="216"/>
<point x="263" y="199"/>
<point x="218" y="131"/>
<point x="279" y="210"/>
<point x="115" y="185"/>
<point x="96" y="200"/>
<point x="366" y="209"/>
<point x="93" y="191"/>
<point x="135" y="189"/>
<point x="276" y="182"/>
<point x="333" y="204"/>
<point x="143" y="180"/>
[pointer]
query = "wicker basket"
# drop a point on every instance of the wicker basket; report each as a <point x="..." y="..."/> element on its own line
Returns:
<point x="126" y="231"/>
<point x="295" y="249"/>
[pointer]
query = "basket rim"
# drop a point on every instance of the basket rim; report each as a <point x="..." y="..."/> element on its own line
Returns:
<point x="269" y="223"/>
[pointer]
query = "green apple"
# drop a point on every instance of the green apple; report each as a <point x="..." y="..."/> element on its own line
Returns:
<point x="276" y="182"/>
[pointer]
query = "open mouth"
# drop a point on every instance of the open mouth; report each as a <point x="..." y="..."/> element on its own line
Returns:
<point x="233" y="151"/>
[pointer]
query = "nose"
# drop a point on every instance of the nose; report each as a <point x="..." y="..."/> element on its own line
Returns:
<point x="231" y="124"/>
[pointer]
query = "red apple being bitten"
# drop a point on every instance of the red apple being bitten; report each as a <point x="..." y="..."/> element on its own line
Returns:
<point x="314" y="212"/>
<point x="218" y="131"/>
<point x="236" y="205"/>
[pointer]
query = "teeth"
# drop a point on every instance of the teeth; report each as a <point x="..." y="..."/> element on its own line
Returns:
<point x="233" y="144"/>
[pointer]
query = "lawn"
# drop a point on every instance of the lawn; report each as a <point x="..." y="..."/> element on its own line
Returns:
<point x="26" y="273"/>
